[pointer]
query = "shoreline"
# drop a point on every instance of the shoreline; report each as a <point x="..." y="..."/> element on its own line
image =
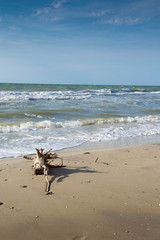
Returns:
<point x="123" y="142"/>
<point x="110" y="193"/>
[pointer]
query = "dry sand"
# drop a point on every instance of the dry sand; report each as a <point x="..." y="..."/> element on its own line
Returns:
<point x="105" y="194"/>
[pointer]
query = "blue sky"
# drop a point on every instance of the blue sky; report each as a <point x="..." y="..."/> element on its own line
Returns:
<point x="80" y="41"/>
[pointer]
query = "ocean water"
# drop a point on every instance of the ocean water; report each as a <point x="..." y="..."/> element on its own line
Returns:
<point x="64" y="116"/>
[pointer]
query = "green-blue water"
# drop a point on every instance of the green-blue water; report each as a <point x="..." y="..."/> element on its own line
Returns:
<point x="62" y="116"/>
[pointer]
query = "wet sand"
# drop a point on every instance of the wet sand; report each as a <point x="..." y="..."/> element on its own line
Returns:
<point x="101" y="194"/>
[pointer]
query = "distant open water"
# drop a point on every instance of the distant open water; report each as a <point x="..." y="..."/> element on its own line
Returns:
<point x="65" y="116"/>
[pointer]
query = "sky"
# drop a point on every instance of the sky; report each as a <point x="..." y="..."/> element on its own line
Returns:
<point x="108" y="42"/>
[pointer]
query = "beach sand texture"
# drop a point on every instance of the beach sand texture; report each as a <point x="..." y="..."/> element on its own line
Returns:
<point x="102" y="194"/>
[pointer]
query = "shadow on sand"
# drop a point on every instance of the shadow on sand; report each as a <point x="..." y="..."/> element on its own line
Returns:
<point x="61" y="173"/>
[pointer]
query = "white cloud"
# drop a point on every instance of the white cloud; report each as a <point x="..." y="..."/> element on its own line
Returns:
<point x="131" y="13"/>
<point x="42" y="11"/>
<point x="121" y="21"/>
<point x="49" y="13"/>
<point x="132" y="21"/>
<point x="58" y="3"/>
<point x="125" y="15"/>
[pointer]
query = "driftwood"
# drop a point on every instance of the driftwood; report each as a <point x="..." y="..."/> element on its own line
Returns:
<point x="44" y="161"/>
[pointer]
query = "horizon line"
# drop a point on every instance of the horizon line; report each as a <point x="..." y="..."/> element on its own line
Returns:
<point x="73" y="84"/>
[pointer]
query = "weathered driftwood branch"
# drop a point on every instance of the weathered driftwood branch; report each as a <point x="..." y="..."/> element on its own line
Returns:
<point x="44" y="161"/>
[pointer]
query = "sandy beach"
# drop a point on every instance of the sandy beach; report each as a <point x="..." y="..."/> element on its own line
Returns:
<point x="101" y="194"/>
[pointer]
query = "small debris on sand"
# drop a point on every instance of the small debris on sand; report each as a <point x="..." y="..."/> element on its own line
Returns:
<point x="106" y="163"/>
<point x="23" y="186"/>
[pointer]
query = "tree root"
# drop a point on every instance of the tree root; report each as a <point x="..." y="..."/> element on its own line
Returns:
<point x="44" y="161"/>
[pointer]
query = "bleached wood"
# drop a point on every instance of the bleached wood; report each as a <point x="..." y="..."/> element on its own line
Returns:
<point x="42" y="163"/>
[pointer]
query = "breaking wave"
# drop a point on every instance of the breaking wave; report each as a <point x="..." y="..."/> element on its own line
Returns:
<point x="68" y="95"/>
<point x="63" y="116"/>
<point x="101" y="122"/>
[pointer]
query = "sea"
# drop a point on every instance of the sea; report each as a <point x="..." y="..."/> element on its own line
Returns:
<point x="64" y="117"/>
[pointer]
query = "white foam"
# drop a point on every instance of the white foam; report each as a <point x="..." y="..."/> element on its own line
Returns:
<point x="48" y="124"/>
<point x="32" y="130"/>
<point x="18" y="96"/>
<point x="58" y="135"/>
